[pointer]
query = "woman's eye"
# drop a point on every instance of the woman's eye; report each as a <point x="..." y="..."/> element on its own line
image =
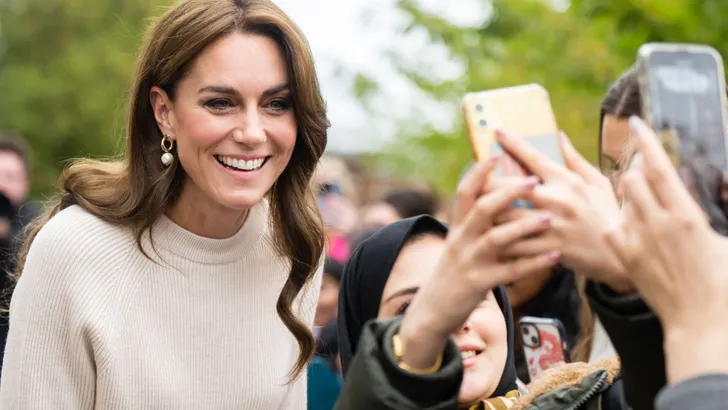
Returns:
<point x="280" y="105"/>
<point x="402" y="308"/>
<point x="218" y="104"/>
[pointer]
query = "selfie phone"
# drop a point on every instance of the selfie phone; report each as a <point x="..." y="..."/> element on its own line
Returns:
<point x="544" y="344"/>
<point x="525" y="111"/>
<point x="684" y="100"/>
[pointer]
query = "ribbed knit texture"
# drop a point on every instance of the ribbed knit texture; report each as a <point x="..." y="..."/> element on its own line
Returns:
<point x="94" y="324"/>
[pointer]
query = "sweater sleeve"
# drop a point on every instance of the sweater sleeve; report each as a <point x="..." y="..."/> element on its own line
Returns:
<point x="709" y="392"/>
<point x="49" y="362"/>
<point x="296" y="397"/>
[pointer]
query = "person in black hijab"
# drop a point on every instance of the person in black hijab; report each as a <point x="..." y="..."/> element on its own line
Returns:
<point x="367" y="274"/>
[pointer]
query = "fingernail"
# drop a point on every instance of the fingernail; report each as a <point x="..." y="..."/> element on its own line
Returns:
<point x="494" y="159"/>
<point x="545" y="218"/>
<point x="636" y="123"/>
<point x="553" y="256"/>
<point x="531" y="181"/>
<point x="501" y="133"/>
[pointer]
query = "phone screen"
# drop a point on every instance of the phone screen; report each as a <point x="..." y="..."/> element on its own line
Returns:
<point x="687" y="106"/>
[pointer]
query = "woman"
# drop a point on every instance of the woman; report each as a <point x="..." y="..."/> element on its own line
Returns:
<point x="454" y="347"/>
<point x="676" y="261"/>
<point x="622" y="101"/>
<point x="172" y="278"/>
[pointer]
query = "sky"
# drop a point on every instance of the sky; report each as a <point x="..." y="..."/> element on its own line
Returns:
<point x="355" y="36"/>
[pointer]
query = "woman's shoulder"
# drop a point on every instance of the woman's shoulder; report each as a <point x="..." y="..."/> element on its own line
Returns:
<point x="570" y="383"/>
<point x="75" y="232"/>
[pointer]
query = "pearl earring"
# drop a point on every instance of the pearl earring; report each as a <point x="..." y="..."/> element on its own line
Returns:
<point x="167" y="145"/>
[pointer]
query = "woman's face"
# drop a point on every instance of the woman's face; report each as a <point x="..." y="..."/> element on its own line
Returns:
<point x="521" y="291"/>
<point x="483" y="337"/>
<point x="232" y="121"/>
<point x="616" y="133"/>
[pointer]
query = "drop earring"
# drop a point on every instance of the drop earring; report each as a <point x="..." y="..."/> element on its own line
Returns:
<point x="167" y="145"/>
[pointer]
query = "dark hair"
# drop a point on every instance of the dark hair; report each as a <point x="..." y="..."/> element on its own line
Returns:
<point x="622" y="100"/>
<point x="11" y="142"/>
<point x="409" y="202"/>
<point x="137" y="189"/>
<point x="333" y="268"/>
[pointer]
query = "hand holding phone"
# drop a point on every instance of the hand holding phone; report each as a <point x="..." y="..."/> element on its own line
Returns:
<point x="523" y="110"/>
<point x="683" y="96"/>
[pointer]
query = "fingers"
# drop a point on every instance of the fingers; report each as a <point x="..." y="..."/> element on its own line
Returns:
<point x="536" y="245"/>
<point x="521" y="267"/>
<point x="577" y="163"/>
<point x="555" y="198"/>
<point x="530" y="157"/>
<point x="480" y="217"/>
<point x="471" y="187"/>
<point x="639" y="197"/>
<point x="659" y="171"/>
<point x="503" y="235"/>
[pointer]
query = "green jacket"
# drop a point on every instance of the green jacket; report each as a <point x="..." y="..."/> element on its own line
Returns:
<point x="375" y="381"/>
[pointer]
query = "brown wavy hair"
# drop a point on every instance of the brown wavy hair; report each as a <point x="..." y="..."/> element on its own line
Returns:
<point x="136" y="189"/>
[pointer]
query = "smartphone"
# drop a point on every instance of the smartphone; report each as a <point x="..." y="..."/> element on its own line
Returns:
<point x="524" y="110"/>
<point x="684" y="100"/>
<point x="544" y="344"/>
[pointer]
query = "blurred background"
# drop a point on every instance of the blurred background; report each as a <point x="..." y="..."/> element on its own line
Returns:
<point x="393" y="72"/>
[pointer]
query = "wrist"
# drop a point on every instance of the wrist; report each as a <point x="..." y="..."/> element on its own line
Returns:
<point x="692" y="351"/>
<point x="421" y="346"/>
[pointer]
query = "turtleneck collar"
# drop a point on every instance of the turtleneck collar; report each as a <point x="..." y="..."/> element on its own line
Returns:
<point x="177" y="240"/>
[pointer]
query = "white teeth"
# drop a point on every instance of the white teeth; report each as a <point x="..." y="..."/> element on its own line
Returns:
<point x="468" y="354"/>
<point x="241" y="164"/>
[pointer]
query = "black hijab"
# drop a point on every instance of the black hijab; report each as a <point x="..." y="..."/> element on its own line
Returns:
<point x="367" y="272"/>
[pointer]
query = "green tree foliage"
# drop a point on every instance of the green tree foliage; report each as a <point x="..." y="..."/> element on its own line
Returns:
<point x="575" y="53"/>
<point x="65" y="66"/>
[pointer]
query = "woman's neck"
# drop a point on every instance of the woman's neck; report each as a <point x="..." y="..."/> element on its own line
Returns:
<point x="200" y="215"/>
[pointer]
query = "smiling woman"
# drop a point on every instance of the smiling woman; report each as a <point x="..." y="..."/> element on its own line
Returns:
<point x="172" y="278"/>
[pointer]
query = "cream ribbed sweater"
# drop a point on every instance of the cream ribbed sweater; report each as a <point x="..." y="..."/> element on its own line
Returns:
<point x="96" y="325"/>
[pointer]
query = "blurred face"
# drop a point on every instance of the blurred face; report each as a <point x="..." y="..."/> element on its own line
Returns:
<point x="328" y="301"/>
<point x="522" y="291"/>
<point x="13" y="177"/>
<point x="483" y="337"/>
<point x="379" y="214"/>
<point x="232" y="121"/>
<point x="616" y="132"/>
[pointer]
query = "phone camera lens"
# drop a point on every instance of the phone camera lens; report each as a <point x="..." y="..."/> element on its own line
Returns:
<point x="534" y="340"/>
<point x="483" y="123"/>
<point x="526" y="331"/>
<point x="479" y="108"/>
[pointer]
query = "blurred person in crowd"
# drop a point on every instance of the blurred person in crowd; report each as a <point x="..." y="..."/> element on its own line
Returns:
<point x="448" y="350"/>
<point x="329" y="296"/>
<point x="678" y="263"/>
<point x="399" y="204"/>
<point x="16" y="212"/>
<point x="324" y="371"/>
<point x="186" y="274"/>
<point x="336" y="200"/>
